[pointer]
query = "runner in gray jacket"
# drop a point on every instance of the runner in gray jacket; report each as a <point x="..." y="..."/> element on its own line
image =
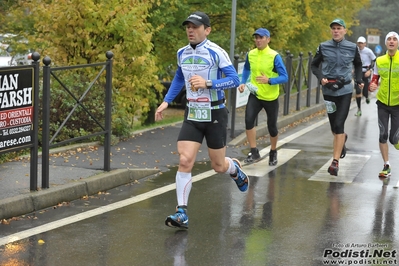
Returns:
<point x="337" y="58"/>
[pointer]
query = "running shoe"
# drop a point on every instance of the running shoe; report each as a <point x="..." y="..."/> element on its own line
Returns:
<point x="333" y="169"/>
<point x="343" y="152"/>
<point x="253" y="157"/>
<point x="240" y="178"/>
<point x="179" y="219"/>
<point x="358" y="113"/>
<point x="386" y="171"/>
<point x="272" y="157"/>
<point x="396" y="146"/>
<point x="367" y="100"/>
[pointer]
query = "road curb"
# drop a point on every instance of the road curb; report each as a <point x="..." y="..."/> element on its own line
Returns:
<point x="38" y="200"/>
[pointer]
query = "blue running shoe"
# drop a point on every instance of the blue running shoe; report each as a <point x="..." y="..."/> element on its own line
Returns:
<point x="179" y="219"/>
<point x="241" y="178"/>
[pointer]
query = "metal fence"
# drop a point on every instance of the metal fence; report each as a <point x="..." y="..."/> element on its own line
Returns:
<point x="300" y="82"/>
<point x="20" y="112"/>
<point x="48" y="142"/>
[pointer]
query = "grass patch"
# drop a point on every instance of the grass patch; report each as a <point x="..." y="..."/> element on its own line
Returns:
<point x="165" y="121"/>
<point x="170" y="116"/>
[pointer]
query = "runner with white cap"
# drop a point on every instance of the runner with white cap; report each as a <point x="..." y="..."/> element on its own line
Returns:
<point x="385" y="72"/>
<point x="368" y="60"/>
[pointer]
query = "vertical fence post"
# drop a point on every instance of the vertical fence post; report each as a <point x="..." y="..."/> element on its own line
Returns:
<point x="308" y="95"/>
<point x="299" y="85"/>
<point x="46" y="123"/>
<point x="35" y="148"/>
<point x="318" y="91"/>
<point x="108" y="115"/>
<point x="288" y="65"/>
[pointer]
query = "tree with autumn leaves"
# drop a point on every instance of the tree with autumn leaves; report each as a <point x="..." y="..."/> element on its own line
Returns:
<point x="144" y="35"/>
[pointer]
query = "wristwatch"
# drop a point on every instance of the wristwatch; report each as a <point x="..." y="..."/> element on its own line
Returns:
<point x="269" y="82"/>
<point x="209" y="83"/>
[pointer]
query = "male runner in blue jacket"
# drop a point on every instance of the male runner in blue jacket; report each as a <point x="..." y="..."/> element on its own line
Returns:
<point x="206" y="71"/>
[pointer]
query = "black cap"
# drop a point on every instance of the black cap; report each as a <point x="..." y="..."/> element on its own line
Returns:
<point x="198" y="18"/>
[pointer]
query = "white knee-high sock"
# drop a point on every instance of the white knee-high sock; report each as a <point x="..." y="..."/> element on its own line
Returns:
<point x="183" y="187"/>
<point x="232" y="168"/>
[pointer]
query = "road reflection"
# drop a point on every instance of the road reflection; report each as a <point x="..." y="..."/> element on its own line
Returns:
<point x="329" y="236"/>
<point x="176" y="246"/>
<point x="383" y="229"/>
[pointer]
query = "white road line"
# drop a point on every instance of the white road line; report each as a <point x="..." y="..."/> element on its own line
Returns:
<point x="98" y="211"/>
<point x="397" y="185"/>
<point x="85" y="215"/>
<point x="346" y="173"/>
<point x="262" y="167"/>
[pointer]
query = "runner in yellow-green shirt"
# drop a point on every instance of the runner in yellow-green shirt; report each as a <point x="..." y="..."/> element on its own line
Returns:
<point x="386" y="71"/>
<point x="263" y="71"/>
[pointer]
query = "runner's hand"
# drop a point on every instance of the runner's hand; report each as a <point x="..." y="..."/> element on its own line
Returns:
<point x="197" y="82"/>
<point x="374" y="82"/>
<point x="263" y="79"/>
<point x="373" y="86"/>
<point x="360" y="85"/>
<point x="241" y="88"/>
<point x="158" y="113"/>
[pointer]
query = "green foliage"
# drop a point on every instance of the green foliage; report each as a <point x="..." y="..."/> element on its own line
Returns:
<point x="166" y="18"/>
<point x="5" y="6"/>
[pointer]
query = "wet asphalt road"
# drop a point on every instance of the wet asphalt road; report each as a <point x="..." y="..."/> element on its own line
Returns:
<point x="292" y="214"/>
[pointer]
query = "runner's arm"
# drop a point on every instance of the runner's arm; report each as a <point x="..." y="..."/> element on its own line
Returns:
<point x="246" y="72"/>
<point x="230" y="80"/>
<point x="358" y="65"/>
<point x="374" y="80"/>
<point x="317" y="59"/>
<point x="281" y="70"/>
<point x="175" y="87"/>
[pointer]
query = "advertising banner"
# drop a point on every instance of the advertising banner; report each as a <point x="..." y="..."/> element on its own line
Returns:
<point x="16" y="107"/>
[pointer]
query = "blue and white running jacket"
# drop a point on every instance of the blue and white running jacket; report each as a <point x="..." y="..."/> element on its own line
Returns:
<point x="209" y="61"/>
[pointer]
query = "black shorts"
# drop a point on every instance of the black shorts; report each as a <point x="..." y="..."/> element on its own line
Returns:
<point x="254" y="106"/>
<point x="215" y="132"/>
<point x="384" y="114"/>
<point x="337" y="111"/>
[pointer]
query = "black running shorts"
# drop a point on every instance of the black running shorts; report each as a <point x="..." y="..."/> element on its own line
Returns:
<point x="214" y="132"/>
